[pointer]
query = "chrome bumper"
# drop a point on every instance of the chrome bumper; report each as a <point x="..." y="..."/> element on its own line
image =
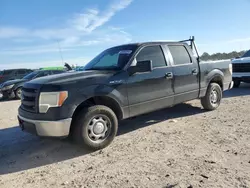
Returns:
<point x="231" y="85"/>
<point x="46" y="128"/>
<point x="228" y="85"/>
<point x="241" y="74"/>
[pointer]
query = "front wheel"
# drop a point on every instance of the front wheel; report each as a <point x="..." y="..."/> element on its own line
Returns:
<point x="213" y="97"/>
<point x="18" y="93"/>
<point x="95" y="127"/>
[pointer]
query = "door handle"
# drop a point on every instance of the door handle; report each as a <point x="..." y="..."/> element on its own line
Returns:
<point x="169" y="75"/>
<point x="194" y="71"/>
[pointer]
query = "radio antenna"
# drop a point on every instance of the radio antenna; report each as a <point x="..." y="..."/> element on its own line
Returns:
<point x="60" y="51"/>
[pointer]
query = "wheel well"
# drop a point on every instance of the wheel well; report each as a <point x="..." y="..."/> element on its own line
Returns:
<point x="101" y="100"/>
<point x="217" y="80"/>
<point x="18" y="87"/>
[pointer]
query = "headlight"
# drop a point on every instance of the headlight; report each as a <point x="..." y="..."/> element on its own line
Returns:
<point x="231" y="68"/>
<point x="51" y="99"/>
<point x="7" y="87"/>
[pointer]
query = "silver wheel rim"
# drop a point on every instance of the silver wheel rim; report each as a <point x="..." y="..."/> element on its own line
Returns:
<point x="99" y="128"/>
<point x="19" y="93"/>
<point x="214" y="97"/>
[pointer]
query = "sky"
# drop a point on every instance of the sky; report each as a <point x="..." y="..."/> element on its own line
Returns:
<point x="35" y="34"/>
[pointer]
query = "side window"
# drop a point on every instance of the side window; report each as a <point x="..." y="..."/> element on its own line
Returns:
<point x="153" y="53"/>
<point x="21" y="72"/>
<point x="8" y="72"/>
<point x="28" y="71"/>
<point x="56" y="72"/>
<point x="180" y="54"/>
<point x="47" y="73"/>
<point x="41" y="74"/>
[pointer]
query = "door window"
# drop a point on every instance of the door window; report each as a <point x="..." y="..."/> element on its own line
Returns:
<point x="21" y="72"/>
<point x="41" y="74"/>
<point x="153" y="53"/>
<point x="180" y="54"/>
<point x="8" y="72"/>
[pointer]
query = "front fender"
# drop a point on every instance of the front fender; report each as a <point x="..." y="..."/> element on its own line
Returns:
<point x="17" y="86"/>
<point x="88" y="92"/>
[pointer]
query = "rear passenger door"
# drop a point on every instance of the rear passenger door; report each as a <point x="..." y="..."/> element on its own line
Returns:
<point x="153" y="90"/>
<point x="186" y="73"/>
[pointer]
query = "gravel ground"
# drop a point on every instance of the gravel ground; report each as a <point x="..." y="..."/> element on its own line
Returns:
<point x="183" y="146"/>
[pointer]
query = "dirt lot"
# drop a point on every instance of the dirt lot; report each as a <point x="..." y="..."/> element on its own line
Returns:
<point x="183" y="146"/>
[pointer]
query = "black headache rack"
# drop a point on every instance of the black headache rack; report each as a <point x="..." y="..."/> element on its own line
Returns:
<point x="192" y="45"/>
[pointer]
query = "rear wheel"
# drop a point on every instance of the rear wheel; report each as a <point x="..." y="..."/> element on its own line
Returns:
<point x="18" y="93"/>
<point x="213" y="97"/>
<point x="236" y="84"/>
<point x="95" y="127"/>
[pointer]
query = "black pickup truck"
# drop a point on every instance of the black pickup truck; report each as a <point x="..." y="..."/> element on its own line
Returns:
<point x="121" y="82"/>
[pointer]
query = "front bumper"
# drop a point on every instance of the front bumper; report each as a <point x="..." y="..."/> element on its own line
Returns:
<point x="228" y="85"/>
<point x="58" y="128"/>
<point x="241" y="76"/>
<point x="8" y="93"/>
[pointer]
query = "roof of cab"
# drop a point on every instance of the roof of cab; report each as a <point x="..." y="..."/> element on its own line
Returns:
<point x="152" y="43"/>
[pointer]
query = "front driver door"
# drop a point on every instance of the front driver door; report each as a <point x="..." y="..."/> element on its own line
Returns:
<point x="150" y="91"/>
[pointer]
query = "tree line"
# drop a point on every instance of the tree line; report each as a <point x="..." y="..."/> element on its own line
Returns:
<point x="220" y="56"/>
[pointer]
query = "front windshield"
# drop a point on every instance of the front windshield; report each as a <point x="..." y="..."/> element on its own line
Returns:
<point x="247" y="54"/>
<point x="30" y="75"/>
<point x="112" y="59"/>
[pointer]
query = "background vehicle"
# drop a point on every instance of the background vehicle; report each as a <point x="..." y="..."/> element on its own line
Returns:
<point x="12" y="74"/>
<point x="13" y="88"/>
<point x="121" y="82"/>
<point x="241" y="69"/>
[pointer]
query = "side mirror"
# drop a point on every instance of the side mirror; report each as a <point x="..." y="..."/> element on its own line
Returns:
<point x="141" y="66"/>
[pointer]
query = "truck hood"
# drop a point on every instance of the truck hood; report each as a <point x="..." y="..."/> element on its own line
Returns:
<point x="70" y="77"/>
<point x="17" y="81"/>
<point x="241" y="60"/>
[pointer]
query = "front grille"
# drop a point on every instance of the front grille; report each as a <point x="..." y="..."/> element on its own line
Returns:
<point x="241" y="67"/>
<point x="29" y="99"/>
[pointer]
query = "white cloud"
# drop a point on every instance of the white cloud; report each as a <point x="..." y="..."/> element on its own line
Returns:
<point x="80" y="24"/>
<point x="69" y="44"/>
<point x="237" y="44"/>
<point x="239" y="40"/>
<point x="10" y="32"/>
<point x="37" y="64"/>
<point x="93" y="19"/>
<point x="80" y="30"/>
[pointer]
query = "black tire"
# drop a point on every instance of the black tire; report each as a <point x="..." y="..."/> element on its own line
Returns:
<point x="236" y="84"/>
<point x="81" y="127"/>
<point x="207" y="102"/>
<point x="18" y="93"/>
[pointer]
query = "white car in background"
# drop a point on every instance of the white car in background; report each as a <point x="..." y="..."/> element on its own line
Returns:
<point x="241" y="69"/>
